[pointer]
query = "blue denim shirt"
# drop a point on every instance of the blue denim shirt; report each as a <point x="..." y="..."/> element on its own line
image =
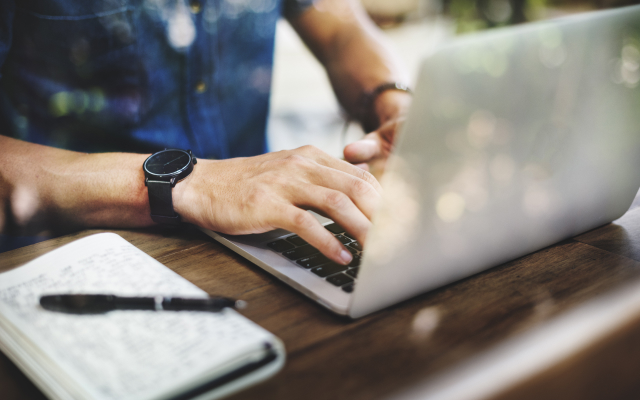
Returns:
<point x="139" y="75"/>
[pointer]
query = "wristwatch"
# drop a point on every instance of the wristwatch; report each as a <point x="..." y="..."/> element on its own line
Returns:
<point x="162" y="170"/>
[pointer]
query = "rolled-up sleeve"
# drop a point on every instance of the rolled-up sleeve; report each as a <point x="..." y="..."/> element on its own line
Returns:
<point x="7" y="11"/>
<point x="293" y="8"/>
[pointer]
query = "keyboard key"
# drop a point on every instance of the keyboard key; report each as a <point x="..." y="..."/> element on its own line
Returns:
<point x="350" y="235"/>
<point x="355" y="262"/>
<point x="343" y="239"/>
<point x="348" y="288"/>
<point x="280" y="245"/>
<point x="297" y="240"/>
<point x="353" y="272"/>
<point x="299" y="252"/>
<point x="353" y="251"/>
<point x="328" y="269"/>
<point x="334" y="228"/>
<point x="356" y="246"/>
<point x="339" y="279"/>
<point x="312" y="261"/>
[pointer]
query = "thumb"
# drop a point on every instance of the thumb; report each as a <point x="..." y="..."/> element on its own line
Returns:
<point x="363" y="150"/>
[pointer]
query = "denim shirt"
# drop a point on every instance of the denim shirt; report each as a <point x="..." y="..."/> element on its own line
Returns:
<point x="139" y="75"/>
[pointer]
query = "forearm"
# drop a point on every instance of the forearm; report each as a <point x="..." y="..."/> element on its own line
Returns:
<point x="355" y="55"/>
<point x="45" y="188"/>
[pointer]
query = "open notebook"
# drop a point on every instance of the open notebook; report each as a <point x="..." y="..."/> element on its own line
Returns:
<point x="125" y="354"/>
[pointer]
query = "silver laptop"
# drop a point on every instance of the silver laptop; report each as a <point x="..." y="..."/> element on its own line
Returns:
<point x="517" y="138"/>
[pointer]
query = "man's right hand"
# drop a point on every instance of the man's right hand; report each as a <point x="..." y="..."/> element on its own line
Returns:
<point x="273" y="190"/>
<point x="70" y="190"/>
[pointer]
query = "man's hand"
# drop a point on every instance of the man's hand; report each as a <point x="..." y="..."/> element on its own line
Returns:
<point x="372" y="151"/>
<point x="258" y="194"/>
<point x="353" y="51"/>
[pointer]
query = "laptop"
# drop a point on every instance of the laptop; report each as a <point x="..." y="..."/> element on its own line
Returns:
<point x="517" y="138"/>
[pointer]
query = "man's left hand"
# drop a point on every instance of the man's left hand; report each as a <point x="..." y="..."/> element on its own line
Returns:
<point x="371" y="152"/>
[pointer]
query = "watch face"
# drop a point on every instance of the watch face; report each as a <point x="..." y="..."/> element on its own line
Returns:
<point x="167" y="162"/>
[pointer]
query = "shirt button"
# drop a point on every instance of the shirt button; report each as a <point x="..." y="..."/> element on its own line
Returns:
<point x="201" y="87"/>
<point x="195" y="6"/>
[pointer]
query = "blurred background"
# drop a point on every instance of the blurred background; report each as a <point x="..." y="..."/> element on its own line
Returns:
<point x="303" y="107"/>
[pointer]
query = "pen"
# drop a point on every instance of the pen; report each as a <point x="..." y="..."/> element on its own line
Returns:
<point x="102" y="303"/>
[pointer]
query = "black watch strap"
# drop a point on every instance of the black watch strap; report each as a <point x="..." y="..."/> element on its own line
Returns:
<point x="161" y="203"/>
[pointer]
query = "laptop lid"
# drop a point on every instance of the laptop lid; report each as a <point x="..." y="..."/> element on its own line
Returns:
<point x="517" y="138"/>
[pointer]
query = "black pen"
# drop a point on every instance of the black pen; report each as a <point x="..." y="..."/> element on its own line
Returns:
<point x="102" y="303"/>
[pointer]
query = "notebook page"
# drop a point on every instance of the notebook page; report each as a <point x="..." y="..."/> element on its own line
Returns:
<point x="121" y="354"/>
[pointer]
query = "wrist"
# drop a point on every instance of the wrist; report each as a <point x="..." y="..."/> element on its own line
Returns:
<point x="385" y="102"/>
<point x="188" y="200"/>
<point x="183" y="196"/>
<point x="391" y="104"/>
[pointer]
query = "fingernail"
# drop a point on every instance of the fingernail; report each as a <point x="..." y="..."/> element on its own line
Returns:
<point x="346" y="257"/>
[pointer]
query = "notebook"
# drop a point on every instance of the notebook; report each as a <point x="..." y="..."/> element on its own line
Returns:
<point x="125" y="354"/>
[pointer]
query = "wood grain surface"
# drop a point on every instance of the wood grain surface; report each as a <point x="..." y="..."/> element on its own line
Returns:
<point x="384" y="353"/>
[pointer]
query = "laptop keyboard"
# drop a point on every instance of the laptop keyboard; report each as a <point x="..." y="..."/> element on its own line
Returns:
<point x="306" y="256"/>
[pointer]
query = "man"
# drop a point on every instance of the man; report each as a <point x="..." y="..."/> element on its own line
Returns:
<point x="140" y="76"/>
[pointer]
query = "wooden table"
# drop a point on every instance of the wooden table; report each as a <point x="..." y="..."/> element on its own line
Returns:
<point x="386" y="353"/>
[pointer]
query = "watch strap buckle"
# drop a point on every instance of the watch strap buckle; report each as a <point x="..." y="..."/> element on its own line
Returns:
<point x="166" y="220"/>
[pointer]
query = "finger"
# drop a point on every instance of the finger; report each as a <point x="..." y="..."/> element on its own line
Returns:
<point x="375" y="144"/>
<point x="363" y="150"/>
<point x="323" y="158"/>
<point x="390" y="130"/>
<point x="337" y="206"/>
<point x="365" y="197"/>
<point x="363" y="166"/>
<point x="307" y="227"/>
